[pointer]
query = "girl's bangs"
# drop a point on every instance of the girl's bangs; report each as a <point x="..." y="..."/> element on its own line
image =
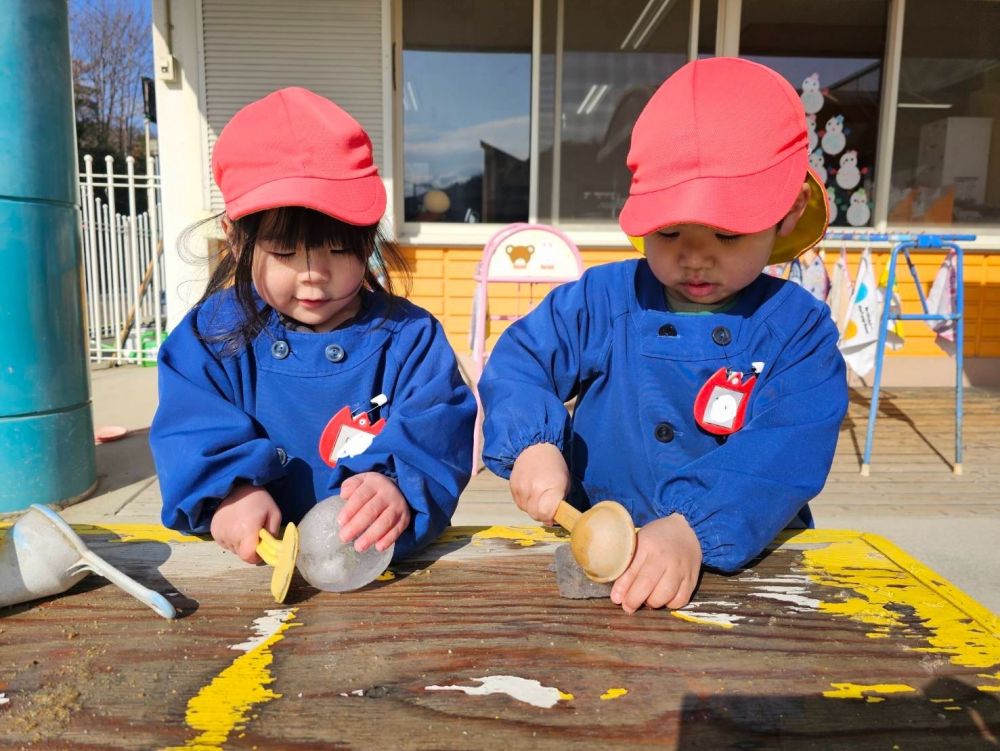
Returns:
<point x="294" y="226"/>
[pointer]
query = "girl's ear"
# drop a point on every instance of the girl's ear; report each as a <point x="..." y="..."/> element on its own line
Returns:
<point x="796" y="212"/>
<point x="227" y="227"/>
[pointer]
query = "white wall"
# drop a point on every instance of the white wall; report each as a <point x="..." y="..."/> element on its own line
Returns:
<point x="181" y="129"/>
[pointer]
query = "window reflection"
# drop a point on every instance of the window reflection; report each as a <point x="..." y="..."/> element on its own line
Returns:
<point x="831" y="52"/>
<point x="946" y="164"/>
<point x="466" y="94"/>
<point x="611" y="64"/>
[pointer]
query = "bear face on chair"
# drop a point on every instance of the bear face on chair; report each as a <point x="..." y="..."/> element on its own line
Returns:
<point x="519" y="255"/>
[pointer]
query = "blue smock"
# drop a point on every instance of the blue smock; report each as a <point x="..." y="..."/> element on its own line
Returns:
<point x="635" y="367"/>
<point x="255" y="415"/>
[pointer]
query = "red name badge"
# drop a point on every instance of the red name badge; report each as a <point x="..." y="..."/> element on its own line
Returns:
<point x="348" y="435"/>
<point x="722" y="402"/>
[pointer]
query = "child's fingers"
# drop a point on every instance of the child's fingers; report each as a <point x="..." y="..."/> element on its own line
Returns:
<point x="247" y="549"/>
<point x="361" y="520"/>
<point x="393" y="534"/>
<point x="666" y="592"/>
<point x="359" y="498"/>
<point x="642" y="587"/>
<point x="546" y="506"/>
<point x="348" y="486"/>
<point x="684" y="592"/>
<point x="624" y="582"/>
<point x="272" y="522"/>
<point x="376" y="530"/>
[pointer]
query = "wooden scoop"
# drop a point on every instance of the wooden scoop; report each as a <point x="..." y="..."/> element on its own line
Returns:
<point x="281" y="554"/>
<point x="602" y="538"/>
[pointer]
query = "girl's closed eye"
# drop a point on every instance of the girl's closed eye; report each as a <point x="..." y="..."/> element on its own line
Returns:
<point x="673" y="235"/>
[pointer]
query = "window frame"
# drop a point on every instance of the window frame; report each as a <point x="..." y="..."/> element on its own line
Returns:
<point x="457" y="234"/>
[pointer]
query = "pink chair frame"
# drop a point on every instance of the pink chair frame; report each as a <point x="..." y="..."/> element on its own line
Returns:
<point x="483" y="276"/>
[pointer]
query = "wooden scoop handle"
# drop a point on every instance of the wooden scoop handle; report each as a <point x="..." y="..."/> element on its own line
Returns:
<point x="567" y="516"/>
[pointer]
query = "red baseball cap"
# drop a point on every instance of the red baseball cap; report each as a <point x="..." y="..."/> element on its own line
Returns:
<point x="723" y="143"/>
<point x="296" y="148"/>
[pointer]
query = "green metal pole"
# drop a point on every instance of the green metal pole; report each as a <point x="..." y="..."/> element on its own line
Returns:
<point x="46" y="428"/>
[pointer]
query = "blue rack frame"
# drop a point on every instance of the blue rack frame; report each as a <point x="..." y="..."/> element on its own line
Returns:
<point x="904" y="243"/>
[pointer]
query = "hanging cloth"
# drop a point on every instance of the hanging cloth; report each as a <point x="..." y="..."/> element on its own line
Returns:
<point x="894" y="332"/>
<point x="860" y="338"/>
<point x="840" y="291"/>
<point x="942" y="300"/>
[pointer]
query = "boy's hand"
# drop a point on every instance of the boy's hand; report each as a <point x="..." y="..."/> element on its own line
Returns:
<point x="241" y="516"/>
<point x="665" y="568"/>
<point x="374" y="509"/>
<point x="539" y="480"/>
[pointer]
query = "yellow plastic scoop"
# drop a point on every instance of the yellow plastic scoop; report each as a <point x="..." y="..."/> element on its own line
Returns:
<point x="281" y="554"/>
<point x="602" y="538"/>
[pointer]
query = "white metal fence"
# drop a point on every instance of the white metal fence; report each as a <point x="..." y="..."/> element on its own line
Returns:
<point x="121" y="260"/>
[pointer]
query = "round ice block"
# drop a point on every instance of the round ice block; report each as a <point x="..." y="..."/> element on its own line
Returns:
<point x="326" y="562"/>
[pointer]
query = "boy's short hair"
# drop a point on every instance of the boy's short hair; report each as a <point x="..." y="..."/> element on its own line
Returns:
<point x="723" y="143"/>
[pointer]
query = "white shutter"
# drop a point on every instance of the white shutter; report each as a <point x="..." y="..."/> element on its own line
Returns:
<point x="252" y="47"/>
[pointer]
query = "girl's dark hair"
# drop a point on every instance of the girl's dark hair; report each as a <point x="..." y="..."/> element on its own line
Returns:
<point x="291" y="227"/>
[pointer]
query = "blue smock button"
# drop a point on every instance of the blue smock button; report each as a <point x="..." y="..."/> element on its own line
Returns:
<point x="721" y="336"/>
<point x="335" y="353"/>
<point x="664" y="432"/>
<point x="668" y="329"/>
<point x="280" y="349"/>
<point x="282" y="456"/>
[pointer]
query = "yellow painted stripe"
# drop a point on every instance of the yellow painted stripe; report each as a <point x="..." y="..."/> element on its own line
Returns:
<point x="524" y="536"/>
<point x="858" y="690"/>
<point x="883" y="577"/>
<point x="224" y="705"/>
<point x="127" y="532"/>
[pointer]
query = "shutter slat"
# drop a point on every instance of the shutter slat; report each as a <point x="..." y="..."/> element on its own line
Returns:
<point x="253" y="47"/>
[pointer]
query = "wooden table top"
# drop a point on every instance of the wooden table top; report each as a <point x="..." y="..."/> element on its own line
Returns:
<point x="834" y="639"/>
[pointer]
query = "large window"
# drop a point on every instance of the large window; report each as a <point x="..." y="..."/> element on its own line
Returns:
<point x="596" y="76"/>
<point x="505" y="120"/>
<point x="831" y="52"/>
<point x="466" y="93"/>
<point x="946" y="160"/>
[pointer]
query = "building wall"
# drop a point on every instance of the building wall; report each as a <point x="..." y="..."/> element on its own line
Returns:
<point x="443" y="283"/>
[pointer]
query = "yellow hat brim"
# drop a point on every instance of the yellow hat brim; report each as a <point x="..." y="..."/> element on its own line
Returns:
<point x="809" y="230"/>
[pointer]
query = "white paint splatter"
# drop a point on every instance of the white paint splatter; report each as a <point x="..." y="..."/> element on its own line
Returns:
<point x="264" y="628"/>
<point x="702" y="603"/>
<point x="529" y="691"/>
<point x="4" y="699"/>
<point x="716" y="619"/>
<point x="794" y="595"/>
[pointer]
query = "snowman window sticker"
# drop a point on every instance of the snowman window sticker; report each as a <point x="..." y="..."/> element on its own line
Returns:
<point x="721" y="403"/>
<point x="350" y="434"/>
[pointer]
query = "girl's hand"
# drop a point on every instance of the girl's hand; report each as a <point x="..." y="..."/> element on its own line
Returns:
<point x="241" y="516"/>
<point x="539" y="481"/>
<point x="375" y="511"/>
<point x="665" y="568"/>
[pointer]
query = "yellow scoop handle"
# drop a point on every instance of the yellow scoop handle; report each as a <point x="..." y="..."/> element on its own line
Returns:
<point x="281" y="554"/>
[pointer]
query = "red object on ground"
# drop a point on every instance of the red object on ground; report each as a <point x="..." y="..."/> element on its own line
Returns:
<point x="109" y="433"/>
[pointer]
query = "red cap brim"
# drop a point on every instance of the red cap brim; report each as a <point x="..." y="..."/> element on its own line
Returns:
<point x="359" y="201"/>
<point x="739" y="204"/>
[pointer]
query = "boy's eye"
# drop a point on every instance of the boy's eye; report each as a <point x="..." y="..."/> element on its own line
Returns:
<point x="669" y="235"/>
<point x="727" y="238"/>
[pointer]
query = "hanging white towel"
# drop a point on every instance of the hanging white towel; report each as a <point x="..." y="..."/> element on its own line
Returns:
<point x="942" y="300"/>
<point x="840" y="291"/>
<point x="894" y="331"/>
<point x="860" y="338"/>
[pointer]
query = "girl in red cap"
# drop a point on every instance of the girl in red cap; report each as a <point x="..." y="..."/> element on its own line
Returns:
<point x="300" y="373"/>
<point x="709" y="396"/>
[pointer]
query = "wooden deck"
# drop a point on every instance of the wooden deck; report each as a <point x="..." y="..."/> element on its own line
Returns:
<point x="835" y="640"/>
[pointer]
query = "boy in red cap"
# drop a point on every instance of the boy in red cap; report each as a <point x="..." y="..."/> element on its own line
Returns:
<point x="300" y="374"/>
<point x="709" y="396"/>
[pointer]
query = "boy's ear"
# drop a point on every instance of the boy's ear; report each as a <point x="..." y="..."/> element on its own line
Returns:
<point x="796" y="212"/>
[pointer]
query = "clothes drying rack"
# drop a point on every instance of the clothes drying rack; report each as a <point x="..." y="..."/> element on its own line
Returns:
<point x="905" y="244"/>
